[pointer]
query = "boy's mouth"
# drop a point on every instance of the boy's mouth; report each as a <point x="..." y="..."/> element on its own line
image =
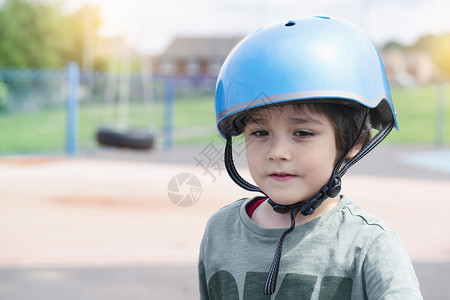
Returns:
<point x="280" y="176"/>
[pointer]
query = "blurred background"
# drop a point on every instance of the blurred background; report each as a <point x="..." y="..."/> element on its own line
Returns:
<point x="133" y="82"/>
<point x="135" y="58"/>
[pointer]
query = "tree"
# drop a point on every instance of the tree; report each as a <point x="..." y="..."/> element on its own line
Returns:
<point x="394" y="45"/>
<point x="439" y="49"/>
<point x="440" y="52"/>
<point x="83" y="26"/>
<point x="38" y="35"/>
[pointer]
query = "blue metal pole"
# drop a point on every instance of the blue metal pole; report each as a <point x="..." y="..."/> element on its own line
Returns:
<point x="73" y="82"/>
<point x="169" y="97"/>
<point x="440" y="115"/>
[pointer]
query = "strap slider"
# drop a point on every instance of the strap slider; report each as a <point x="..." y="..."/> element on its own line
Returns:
<point x="334" y="187"/>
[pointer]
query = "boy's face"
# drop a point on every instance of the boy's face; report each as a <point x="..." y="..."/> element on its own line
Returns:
<point x="291" y="152"/>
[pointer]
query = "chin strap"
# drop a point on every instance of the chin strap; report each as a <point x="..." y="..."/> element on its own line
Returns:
<point x="306" y="208"/>
<point x="332" y="189"/>
<point x="271" y="281"/>
<point x="231" y="169"/>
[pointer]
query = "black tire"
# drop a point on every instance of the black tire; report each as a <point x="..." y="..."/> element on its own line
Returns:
<point x="131" y="139"/>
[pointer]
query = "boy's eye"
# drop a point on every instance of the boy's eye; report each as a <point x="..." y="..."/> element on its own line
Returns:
<point x="303" y="133"/>
<point x="260" y="133"/>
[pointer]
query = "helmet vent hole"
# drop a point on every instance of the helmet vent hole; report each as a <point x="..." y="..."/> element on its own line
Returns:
<point x="290" y="23"/>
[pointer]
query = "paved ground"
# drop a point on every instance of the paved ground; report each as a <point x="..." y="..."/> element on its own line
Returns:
<point x="129" y="282"/>
<point x="147" y="282"/>
<point x="102" y="226"/>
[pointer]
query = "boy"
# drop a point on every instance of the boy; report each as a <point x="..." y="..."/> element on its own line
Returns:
<point x="306" y="95"/>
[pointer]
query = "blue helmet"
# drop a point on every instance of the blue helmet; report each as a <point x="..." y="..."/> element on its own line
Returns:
<point x="308" y="59"/>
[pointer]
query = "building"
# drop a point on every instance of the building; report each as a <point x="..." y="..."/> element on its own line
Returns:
<point x="194" y="56"/>
<point x="408" y="67"/>
<point x="203" y="56"/>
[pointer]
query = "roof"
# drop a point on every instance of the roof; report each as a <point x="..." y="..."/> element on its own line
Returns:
<point x="186" y="47"/>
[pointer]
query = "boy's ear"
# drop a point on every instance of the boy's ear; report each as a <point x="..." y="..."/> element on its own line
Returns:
<point x="354" y="151"/>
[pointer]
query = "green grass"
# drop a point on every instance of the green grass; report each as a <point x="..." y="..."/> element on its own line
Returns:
<point x="45" y="130"/>
<point x="417" y="115"/>
<point x="194" y="121"/>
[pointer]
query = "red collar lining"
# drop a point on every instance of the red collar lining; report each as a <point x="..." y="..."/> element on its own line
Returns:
<point x="251" y="207"/>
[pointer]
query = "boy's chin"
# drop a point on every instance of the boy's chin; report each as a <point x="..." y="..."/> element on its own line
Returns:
<point x="287" y="201"/>
<point x="289" y="197"/>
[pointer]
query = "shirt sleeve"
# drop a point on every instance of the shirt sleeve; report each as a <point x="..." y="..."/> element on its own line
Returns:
<point x="388" y="272"/>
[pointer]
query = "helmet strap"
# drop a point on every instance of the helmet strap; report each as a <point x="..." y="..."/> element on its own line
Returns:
<point x="231" y="169"/>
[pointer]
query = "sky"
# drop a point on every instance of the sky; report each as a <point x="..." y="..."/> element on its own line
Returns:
<point x="150" y="25"/>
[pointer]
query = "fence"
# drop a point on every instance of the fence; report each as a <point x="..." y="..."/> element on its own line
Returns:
<point x="34" y="110"/>
<point x="34" y="115"/>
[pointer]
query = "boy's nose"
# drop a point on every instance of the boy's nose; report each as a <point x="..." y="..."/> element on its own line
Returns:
<point x="279" y="150"/>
